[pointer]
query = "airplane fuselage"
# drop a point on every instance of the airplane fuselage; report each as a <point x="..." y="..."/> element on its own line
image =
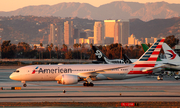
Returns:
<point x="53" y="72"/>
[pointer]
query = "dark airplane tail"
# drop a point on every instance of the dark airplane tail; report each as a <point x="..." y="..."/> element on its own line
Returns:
<point x="99" y="55"/>
<point x="126" y="59"/>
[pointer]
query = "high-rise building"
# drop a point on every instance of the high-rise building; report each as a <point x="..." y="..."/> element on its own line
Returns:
<point x="150" y="40"/>
<point x="56" y="34"/>
<point x="59" y="37"/>
<point x="121" y="31"/>
<point x="76" y="33"/>
<point x="131" y="40"/>
<point x="83" y="35"/>
<point x="99" y="33"/>
<point x="68" y="33"/>
<point x="52" y="34"/>
<point x="109" y="26"/>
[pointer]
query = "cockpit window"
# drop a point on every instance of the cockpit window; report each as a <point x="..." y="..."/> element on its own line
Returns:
<point x="16" y="71"/>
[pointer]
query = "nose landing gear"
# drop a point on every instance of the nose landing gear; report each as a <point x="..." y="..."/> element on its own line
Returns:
<point x="24" y="83"/>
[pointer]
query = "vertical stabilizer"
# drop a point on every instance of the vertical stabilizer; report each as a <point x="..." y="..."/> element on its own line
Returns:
<point x="146" y="63"/>
<point x="171" y="56"/>
<point x="145" y="48"/>
<point x="99" y="55"/>
<point x="150" y="56"/>
<point x="126" y="59"/>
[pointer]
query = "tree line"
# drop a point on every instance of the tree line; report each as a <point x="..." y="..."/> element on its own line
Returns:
<point x="112" y="51"/>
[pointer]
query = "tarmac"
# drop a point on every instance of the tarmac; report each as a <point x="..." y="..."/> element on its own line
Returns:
<point x="140" y="89"/>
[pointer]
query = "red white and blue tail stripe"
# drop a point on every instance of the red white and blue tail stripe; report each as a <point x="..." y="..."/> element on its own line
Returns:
<point x="148" y="59"/>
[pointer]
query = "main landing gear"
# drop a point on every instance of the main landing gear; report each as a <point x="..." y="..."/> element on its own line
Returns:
<point x="160" y="77"/>
<point x="88" y="84"/>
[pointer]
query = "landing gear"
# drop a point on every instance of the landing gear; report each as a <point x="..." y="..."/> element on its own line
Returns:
<point x="176" y="77"/>
<point x="88" y="84"/>
<point x="24" y="85"/>
<point x="160" y="77"/>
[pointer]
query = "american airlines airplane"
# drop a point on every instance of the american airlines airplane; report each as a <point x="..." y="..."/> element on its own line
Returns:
<point x="73" y="73"/>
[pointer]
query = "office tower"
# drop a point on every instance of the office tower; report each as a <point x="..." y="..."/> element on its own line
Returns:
<point x="68" y="33"/>
<point x="56" y="34"/>
<point x="99" y="33"/>
<point x="76" y="33"/>
<point x="83" y="35"/>
<point x="109" y="26"/>
<point x="59" y="37"/>
<point x="121" y="31"/>
<point x="131" y="40"/>
<point x="52" y="34"/>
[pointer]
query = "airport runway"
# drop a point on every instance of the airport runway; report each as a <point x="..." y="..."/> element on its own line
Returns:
<point x="141" y="89"/>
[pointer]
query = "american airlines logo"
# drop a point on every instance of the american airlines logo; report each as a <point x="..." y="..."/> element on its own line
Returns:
<point x="34" y="71"/>
<point x="55" y="70"/>
<point x="98" y="53"/>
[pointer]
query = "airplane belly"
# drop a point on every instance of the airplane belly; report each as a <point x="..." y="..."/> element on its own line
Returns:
<point x="133" y="75"/>
<point x="115" y="76"/>
<point x="38" y="77"/>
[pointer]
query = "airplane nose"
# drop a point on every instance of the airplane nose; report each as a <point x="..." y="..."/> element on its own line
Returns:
<point x="11" y="76"/>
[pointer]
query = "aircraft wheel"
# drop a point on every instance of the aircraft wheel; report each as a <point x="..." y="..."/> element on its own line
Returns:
<point x="24" y="85"/>
<point x="91" y="84"/>
<point x="85" y="84"/>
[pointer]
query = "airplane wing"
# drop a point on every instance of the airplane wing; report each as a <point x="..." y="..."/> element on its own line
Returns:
<point x="95" y="73"/>
<point x="149" y="69"/>
<point x="170" y="64"/>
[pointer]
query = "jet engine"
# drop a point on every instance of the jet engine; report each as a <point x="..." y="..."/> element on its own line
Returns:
<point x="68" y="79"/>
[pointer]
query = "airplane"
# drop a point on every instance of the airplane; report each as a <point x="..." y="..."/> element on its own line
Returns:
<point x="74" y="73"/>
<point x="172" y="57"/>
<point x="102" y="58"/>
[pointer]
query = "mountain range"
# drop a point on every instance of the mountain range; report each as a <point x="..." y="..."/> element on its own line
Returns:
<point x="113" y="10"/>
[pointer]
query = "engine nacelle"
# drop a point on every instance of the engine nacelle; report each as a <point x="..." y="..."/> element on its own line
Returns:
<point x="68" y="79"/>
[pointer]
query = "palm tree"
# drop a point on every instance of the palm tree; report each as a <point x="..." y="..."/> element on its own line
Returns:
<point x="49" y="49"/>
<point x="51" y="45"/>
<point x="56" y="48"/>
<point x="35" y="47"/>
<point x="41" y="45"/>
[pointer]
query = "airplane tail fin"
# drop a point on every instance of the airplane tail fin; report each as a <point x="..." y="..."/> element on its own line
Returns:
<point x="148" y="59"/>
<point x="145" y="48"/>
<point x="171" y="56"/>
<point x="99" y="55"/>
<point x="126" y="59"/>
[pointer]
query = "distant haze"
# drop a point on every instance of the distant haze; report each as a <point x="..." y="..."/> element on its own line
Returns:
<point x="11" y="5"/>
<point x="113" y="10"/>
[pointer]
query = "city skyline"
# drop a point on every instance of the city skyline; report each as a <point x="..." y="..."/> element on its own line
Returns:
<point x="9" y="5"/>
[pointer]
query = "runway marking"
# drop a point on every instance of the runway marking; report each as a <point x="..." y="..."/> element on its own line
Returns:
<point x="19" y="91"/>
<point x="87" y="96"/>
